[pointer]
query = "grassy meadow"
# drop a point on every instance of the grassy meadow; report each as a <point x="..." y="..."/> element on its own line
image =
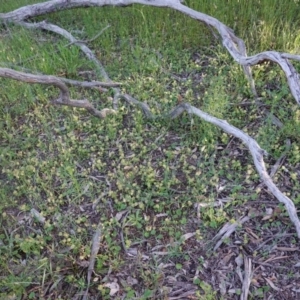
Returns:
<point x="141" y="181"/>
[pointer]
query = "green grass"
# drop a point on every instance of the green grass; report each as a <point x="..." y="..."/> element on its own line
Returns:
<point x="77" y="170"/>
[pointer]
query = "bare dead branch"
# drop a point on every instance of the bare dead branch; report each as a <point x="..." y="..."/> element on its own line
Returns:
<point x="255" y="150"/>
<point x="58" y="30"/>
<point x="63" y="99"/>
<point x="43" y="79"/>
<point x="99" y="85"/>
<point x="257" y="155"/>
<point x="234" y="45"/>
<point x="89" y="84"/>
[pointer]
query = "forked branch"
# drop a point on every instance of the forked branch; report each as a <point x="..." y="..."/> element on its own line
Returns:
<point x="234" y="45"/>
<point x="64" y="97"/>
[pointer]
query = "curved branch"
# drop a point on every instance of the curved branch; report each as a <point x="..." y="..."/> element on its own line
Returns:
<point x="257" y="155"/>
<point x="255" y="150"/>
<point x="44" y="79"/>
<point x="58" y="30"/>
<point x="63" y="99"/>
<point x="89" y="84"/>
<point x="233" y="44"/>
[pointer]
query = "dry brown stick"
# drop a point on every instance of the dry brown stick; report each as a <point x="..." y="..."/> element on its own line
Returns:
<point x="256" y="152"/>
<point x="85" y="49"/>
<point x="58" y="30"/>
<point x="43" y="79"/>
<point x="63" y="99"/>
<point x="84" y="84"/>
<point x="89" y="84"/>
<point x="234" y="45"/>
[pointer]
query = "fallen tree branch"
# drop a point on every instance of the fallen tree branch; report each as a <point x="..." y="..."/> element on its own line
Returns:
<point x="256" y="152"/>
<point x="58" y="30"/>
<point x="89" y="84"/>
<point x="233" y="44"/>
<point x="64" y="97"/>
